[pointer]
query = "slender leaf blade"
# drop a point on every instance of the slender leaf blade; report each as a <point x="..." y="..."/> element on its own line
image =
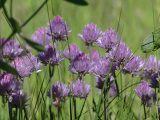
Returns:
<point x="78" y="2"/>
<point x="15" y="25"/>
<point x="4" y="66"/>
<point x="34" y="45"/>
<point x="152" y="42"/>
<point x="2" y="2"/>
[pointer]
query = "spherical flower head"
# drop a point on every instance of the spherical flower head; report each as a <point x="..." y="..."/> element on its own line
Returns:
<point x="39" y="37"/>
<point x="58" y="29"/>
<point x="122" y="55"/>
<point x="95" y="56"/>
<point x="151" y="67"/>
<point x="78" y="90"/>
<point x="90" y="34"/>
<point x="102" y="67"/>
<point x="71" y="52"/>
<point x="81" y="65"/>
<point x="100" y="81"/>
<point x="108" y="40"/>
<point x="9" y="84"/>
<point x="26" y="66"/>
<point x="51" y="56"/>
<point x="18" y="100"/>
<point x="134" y="66"/>
<point x="145" y="92"/>
<point x="59" y="92"/>
<point x="11" y="49"/>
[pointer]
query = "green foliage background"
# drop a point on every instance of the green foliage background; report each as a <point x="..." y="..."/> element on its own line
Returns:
<point x="137" y="21"/>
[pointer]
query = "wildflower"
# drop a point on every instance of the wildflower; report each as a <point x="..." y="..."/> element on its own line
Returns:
<point x="11" y="49"/>
<point x="108" y="40"/>
<point x="145" y="92"/>
<point x="95" y="56"/>
<point x="39" y="37"/>
<point x="102" y="67"/>
<point x="51" y="56"/>
<point x="58" y="29"/>
<point x="18" y="100"/>
<point x="71" y="52"/>
<point x="100" y="82"/>
<point x="113" y="91"/>
<point x="90" y="34"/>
<point x="81" y="65"/>
<point x="78" y="89"/>
<point x="122" y="55"/>
<point x="134" y="66"/>
<point x="9" y="84"/>
<point x="150" y="68"/>
<point x="59" y="92"/>
<point x="25" y="66"/>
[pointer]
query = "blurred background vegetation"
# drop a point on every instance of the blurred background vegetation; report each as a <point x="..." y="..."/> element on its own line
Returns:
<point x="137" y="21"/>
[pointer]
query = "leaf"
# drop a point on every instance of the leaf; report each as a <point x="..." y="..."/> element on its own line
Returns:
<point x="15" y="25"/>
<point x="78" y="2"/>
<point x="2" y="2"/>
<point x="152" y="42"/>
<point x="8" y="68"/>
<point x="34" y="45"/>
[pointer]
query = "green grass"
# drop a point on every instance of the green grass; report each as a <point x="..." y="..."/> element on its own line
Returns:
<point x="136" y="23"/>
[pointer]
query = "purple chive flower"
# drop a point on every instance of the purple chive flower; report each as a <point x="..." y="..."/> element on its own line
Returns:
<point x="11" y="48"/>
<point x="78" y="90"/>
<point x="71" y="52"/>
<point x="81" y="65"/>
<point x="102" y="67"/>
<point x="58" y="29"/>
<point x="39" y="37"/>
<point x="145" y="92"/>
<point x="9" y="84"/>
<point x="18" y="100"/>
<point x="113" y="91"/>
<point x="108" y="40"/>
<point x="154" y="81"/>
<point x="100" y="81"/>
<point x="122" y="55"/>
<point x="90" y="34"/>
<point x="59" y="92"/>
<point x="95" y="56"/>
<point x="24" y="66"/>
<point x="51" y="56"/>
<point x="134" y="66"/>
<point x="150" y="68"/>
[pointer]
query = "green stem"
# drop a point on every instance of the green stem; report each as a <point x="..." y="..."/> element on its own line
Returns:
<point x="144" y="111"/>
<point x="75" y="109"/>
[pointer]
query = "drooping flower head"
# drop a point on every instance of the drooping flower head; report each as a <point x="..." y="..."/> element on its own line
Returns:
<point x="134" y="66"/>
<point x="71" y="52"/>
<point x="39" y="37"/>
<point x="78" y="90"/>
<point x="9" y="84"/>
<point x="122" y="55"/>
<point x="145" y="92"/>
<point x="24" y="66"/>
<point x="102" y="67"/>
<point x="11" y="49"/>
<point x="81" y="65"/>
<point x="58" y="29"/>
<point x="150" y="68"/>
<point x="90" y="34"/>
<point x="51" y="56"/>
<point x="18" y="100"/>
<point x="108" y="40"/>
<point x="59" y="92"/>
